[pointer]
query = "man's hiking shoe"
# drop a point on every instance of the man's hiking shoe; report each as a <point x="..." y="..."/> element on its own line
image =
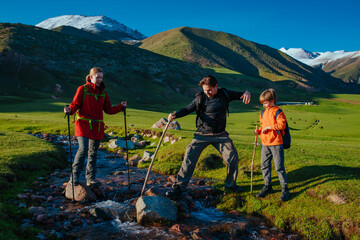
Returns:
<point x="174" y="193"/>
<point x="265" y="191"/>
<point x="236" y="189"/>
<point x="92" y="183"/>
<point x="285" y="195"/>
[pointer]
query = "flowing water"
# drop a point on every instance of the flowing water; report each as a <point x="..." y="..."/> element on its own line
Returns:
<point x="199" y="222"/>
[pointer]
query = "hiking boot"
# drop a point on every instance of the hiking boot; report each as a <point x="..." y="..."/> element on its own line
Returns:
<point x="267" y="189"/>
<point x="285" y="194"/>
<point x="174" y="193"/>
<point x="236" y="189"/>
<point x="92" y="183"/>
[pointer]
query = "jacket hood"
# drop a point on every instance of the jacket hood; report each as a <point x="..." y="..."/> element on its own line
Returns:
<point x="92" y="85"/>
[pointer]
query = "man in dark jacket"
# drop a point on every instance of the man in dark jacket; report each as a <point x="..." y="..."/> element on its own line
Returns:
<point x="211" y="107"/>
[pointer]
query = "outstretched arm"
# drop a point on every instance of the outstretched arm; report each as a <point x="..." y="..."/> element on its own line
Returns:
<point x="246" y="97"/>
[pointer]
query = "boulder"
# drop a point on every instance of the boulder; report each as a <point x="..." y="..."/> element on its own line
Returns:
<point x="152" y="209"/>
<point x="82" y="193"/>
<point x="134" y="160"/>
<point x="115" y="143"/>
<point x="146" y="155"/>
<point x="162" y="123"/>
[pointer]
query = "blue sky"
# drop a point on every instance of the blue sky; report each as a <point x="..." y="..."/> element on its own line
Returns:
<point x="313" y="25"/>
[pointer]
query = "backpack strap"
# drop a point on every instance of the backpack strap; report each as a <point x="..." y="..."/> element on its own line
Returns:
<point x="227" y="98"/>
<point x="276" y="115"/>
<point x="199" y="100"/>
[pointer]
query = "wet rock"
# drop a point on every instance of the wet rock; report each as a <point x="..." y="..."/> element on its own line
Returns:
<point x="202" y="234"/>
<point x="171" y="178"/>
<point x="36" y="210"/>
<point x="77" y="222"/>
<point x="110" y="210"/>
<point x="98" y="192"/>
<point x="151" y="209"/>
<point x="82" y="193"/>
<point x="114" y="143"/>
<point x="42" y="218"/>
<point x="23" y="195"/>
<point x="154" y="192"/>
<point x="177" y="228"/>
<point x="134" y="160"/>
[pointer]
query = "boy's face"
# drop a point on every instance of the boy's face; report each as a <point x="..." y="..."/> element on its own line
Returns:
<point x="210" y="91"/>
<point x="268" y="104"/>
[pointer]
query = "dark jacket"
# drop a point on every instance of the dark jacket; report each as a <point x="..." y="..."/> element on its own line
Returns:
<point x="212" y="115"/>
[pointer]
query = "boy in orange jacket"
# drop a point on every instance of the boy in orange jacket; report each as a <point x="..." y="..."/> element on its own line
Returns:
<point x="272" y="123"/>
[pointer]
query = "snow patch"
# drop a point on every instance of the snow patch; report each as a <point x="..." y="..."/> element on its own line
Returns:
<point x="94" y="24"/>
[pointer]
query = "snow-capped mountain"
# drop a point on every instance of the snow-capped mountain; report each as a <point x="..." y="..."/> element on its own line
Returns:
<point x="318" y="59"/>
<point x="340" y="64"/>
<point x="99" y="25"/>
<point x="300" y="54"/>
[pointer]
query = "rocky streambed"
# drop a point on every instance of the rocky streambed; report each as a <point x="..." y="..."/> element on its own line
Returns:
<point x="111" y="210"/>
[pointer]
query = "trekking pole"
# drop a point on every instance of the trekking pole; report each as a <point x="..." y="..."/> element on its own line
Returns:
<point x="70" y="157"/>
<point x="252" y="162"/>
<point x="153" y="157"/>
<point x="127" y="151"/>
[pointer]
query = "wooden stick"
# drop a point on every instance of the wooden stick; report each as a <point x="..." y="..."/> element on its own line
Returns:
<point x="252" y="162"/>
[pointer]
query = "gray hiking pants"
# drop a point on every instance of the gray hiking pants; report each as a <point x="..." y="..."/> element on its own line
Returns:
<point x="277" y="153"/>
<point x="87" y="147"/>
<point x="222" y="143"/>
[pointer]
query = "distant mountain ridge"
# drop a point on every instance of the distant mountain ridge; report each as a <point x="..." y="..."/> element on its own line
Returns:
<point x="36" y="62"/>
<point x="107" y="28"/>
<point x="340" y="64"/>
<point x="218" y="49"/>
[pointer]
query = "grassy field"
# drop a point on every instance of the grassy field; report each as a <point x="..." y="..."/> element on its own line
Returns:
<point x="323" y="160"/>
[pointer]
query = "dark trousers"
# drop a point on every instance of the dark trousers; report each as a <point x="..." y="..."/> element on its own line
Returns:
<point x="222" y="143"/>
<point x="87" y="147"/>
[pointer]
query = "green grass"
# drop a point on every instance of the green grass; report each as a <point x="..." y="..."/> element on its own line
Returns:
<point x="23" y="158"/>
<point x="322" y="161"/>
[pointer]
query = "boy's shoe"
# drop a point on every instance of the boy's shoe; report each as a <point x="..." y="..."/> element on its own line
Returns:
<point x="92" y="183"/>
<point x="235" y="188"/>
<point x="174" y="193"/>
<point x="285" y="195"/>
<point x="267" y="189"/>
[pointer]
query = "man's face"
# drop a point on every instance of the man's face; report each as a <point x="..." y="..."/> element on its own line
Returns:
<point x="97" y="78"/>
<point x="268" y="104"/>
<point x="210" y="91"/>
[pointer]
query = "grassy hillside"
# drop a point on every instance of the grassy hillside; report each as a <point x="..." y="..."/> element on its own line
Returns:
<point x="218" y="49"/>
<point x="39" y="63"/>
<point x="349" y="70"/>
<point x="322" y="162"/>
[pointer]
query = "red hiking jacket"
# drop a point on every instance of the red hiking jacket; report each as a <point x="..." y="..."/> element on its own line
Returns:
<point x="89" y="120"/>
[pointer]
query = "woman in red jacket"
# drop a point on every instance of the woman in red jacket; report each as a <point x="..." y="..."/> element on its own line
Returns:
<point x="89" y="103"/>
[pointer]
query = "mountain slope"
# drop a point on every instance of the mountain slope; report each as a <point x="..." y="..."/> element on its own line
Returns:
<point x="218" y="49"/>
<point x="35" y="61"/>
<point x="103" y="26"/>
<point x="341" y="64"/>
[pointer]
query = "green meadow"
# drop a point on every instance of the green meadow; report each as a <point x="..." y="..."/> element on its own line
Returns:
<point x="323" y="160"/>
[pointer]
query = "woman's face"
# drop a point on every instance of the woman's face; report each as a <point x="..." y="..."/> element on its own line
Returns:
<point x="96" y="78"/>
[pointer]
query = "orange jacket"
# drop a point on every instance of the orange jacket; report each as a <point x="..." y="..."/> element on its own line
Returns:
<point x="272" y="137"/>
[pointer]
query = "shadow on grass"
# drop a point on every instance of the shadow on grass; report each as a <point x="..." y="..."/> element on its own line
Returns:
<point x="308" y="177"/>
